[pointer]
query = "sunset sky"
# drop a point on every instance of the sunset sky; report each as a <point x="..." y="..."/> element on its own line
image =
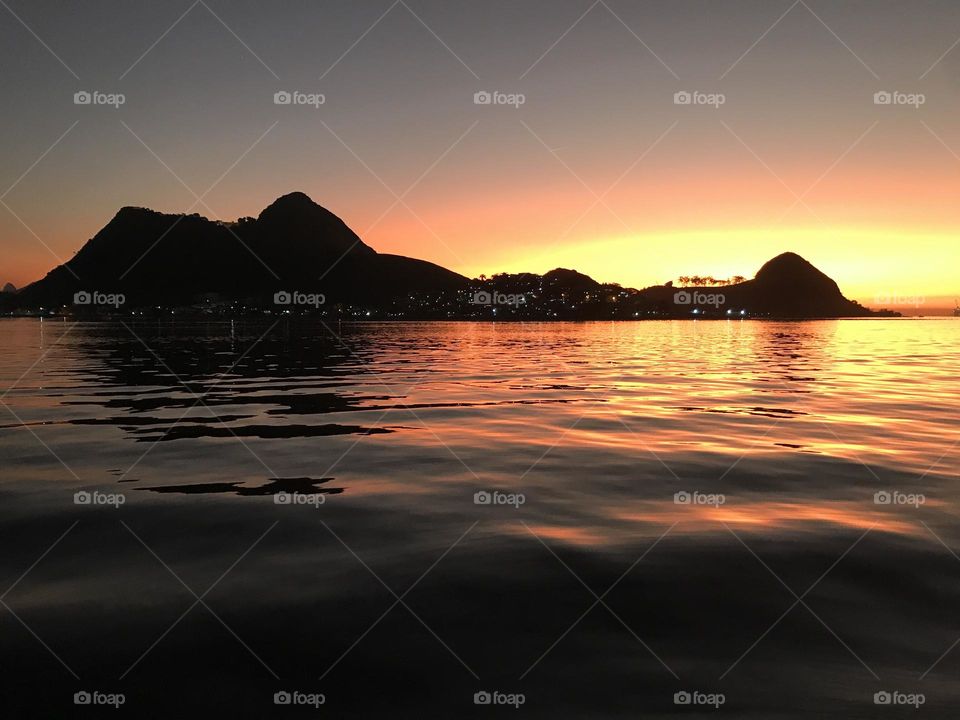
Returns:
<point x="598" y="170"/>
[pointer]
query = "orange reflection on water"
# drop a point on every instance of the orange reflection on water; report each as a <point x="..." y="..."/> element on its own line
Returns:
<point x="621" y="527"/>
<point x="771" y="515"/>
<point x="580" y="536"/>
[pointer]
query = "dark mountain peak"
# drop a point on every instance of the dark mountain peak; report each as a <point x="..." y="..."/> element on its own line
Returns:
<point x="570" y="278"/>
<point x="9" y="288"/>
<point x="297" y="197"/>
<point x="161" y="259"/>
<point x="788" y="264"/>
<point x="129" y="215"/>
<point x="300" y="226"/>
<point x="295" y="204"/>
<point x="790" y="286"/>
<point x="790" y="271"/>
<point x="787" y="286"/>
<point x="133" y="210"/>
<point x="129" y="218"/>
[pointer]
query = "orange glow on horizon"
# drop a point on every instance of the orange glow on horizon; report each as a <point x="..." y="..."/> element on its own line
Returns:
<point x="642" y="234"/>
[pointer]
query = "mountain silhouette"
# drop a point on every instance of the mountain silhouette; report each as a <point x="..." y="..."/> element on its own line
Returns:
<point x="569" y="280"/>
<point x="789" y="286"/>
<point x="294" y="245"/>
<point x="158" y="261"/>
<point x="298" y="240"/>
<point x="786" y="287"/>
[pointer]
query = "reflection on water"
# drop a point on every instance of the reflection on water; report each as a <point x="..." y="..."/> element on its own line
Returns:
<point x="306" y="486"/>
<point x="757" y="509"/>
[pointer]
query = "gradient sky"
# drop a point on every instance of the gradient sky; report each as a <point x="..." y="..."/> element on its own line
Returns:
<point x="599" y="170"/>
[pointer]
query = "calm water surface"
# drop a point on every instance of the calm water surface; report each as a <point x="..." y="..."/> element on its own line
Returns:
<point x="785" y="582"/>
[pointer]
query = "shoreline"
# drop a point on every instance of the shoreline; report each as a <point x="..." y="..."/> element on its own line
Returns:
<point x="491" y="321"/>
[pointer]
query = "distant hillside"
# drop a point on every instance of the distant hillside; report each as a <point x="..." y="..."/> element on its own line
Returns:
<point x="789" y="286"/>
<point x="786" y="287"/>
<point x="296" y="256"/>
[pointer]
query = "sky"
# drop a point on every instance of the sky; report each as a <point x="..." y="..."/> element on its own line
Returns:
<point x="586" y="159"/>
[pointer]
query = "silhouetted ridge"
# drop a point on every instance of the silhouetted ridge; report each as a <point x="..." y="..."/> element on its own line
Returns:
<point x="790" y="286"/>
<point x="297" y="248"/>
<point x="292" y="199"/>
<point x="790" y="267"/>
<point x="296" y="216"/>
<point x="570" y="279"/>
<point x="293" y="245"/>
<point x="785" y="287"/>
<point x="298" y="240"/>
<point x="133" y="210"/>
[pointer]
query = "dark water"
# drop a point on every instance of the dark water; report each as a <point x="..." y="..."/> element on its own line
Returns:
<point x="386" y="588"/>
